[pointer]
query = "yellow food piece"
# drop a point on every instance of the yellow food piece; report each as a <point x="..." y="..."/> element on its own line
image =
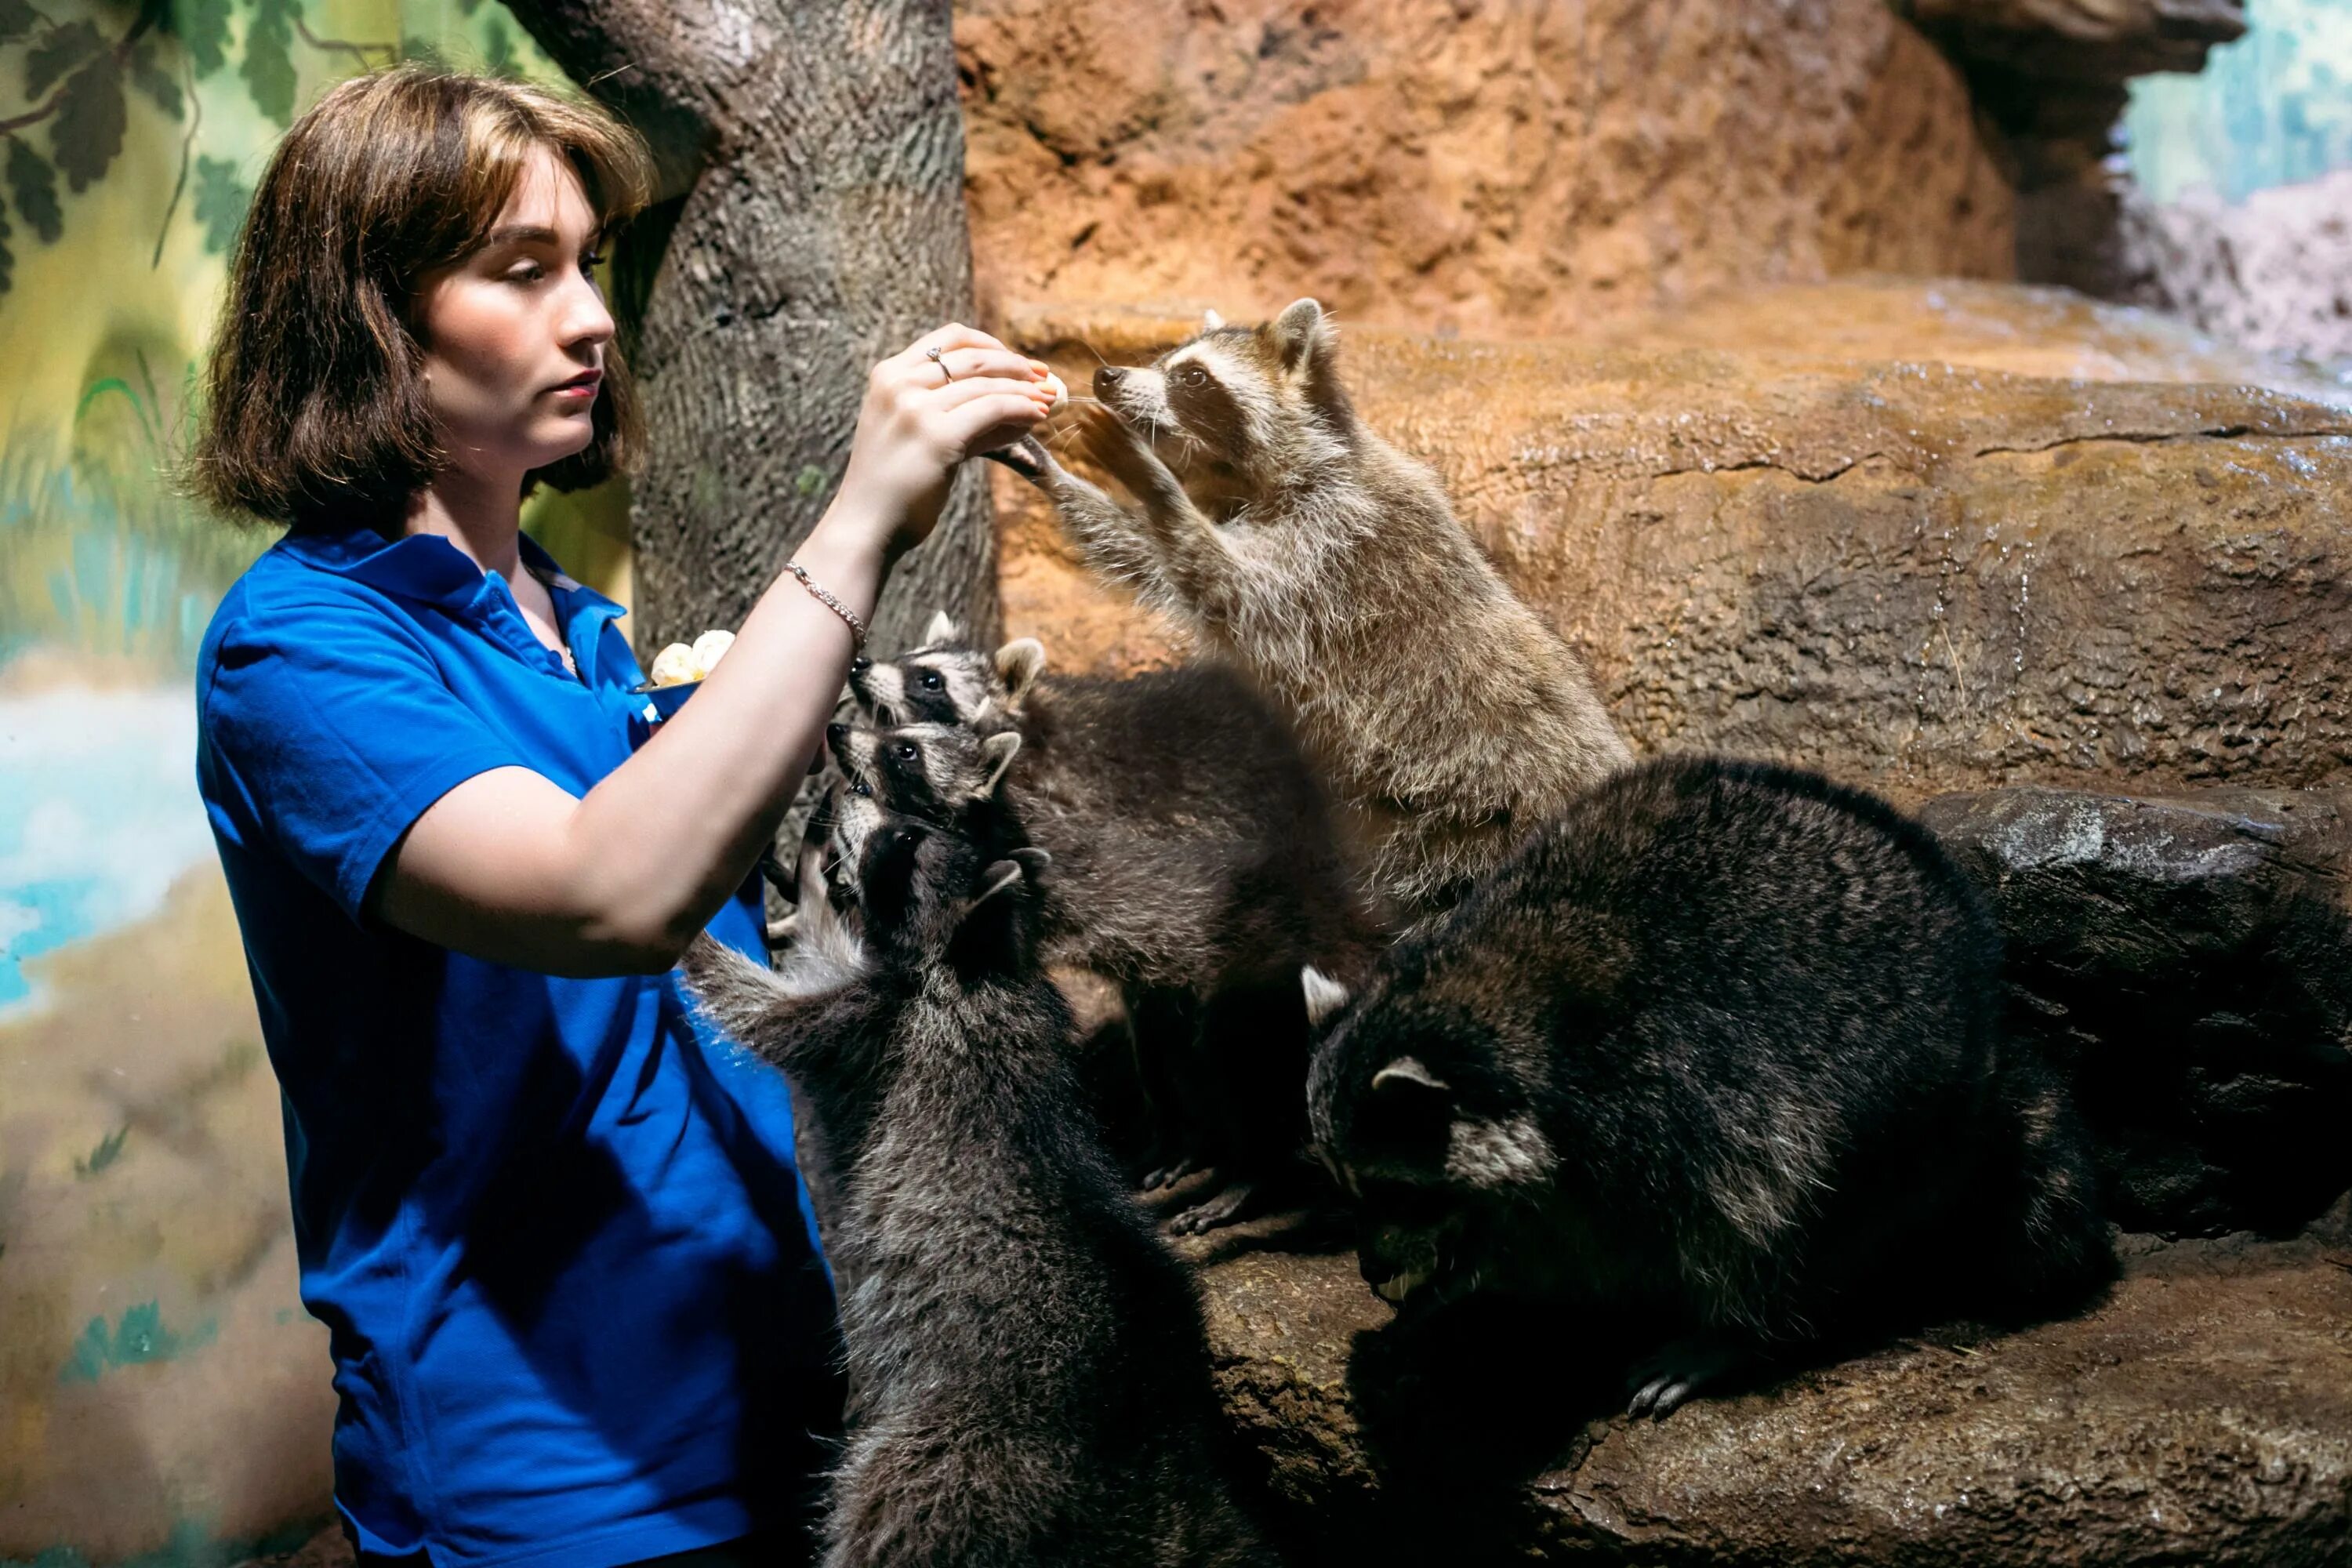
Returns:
<point x="674" y="665"/>
<point x="711" y="647"/>
<point x="1054" y="384"/>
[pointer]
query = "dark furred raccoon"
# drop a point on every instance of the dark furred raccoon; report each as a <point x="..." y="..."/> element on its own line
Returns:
<point x="1720" y="1049"/>
<point x="1029" y="1378"/>
<point x="1447" y="718"/>
<point x="1192" y="864"/>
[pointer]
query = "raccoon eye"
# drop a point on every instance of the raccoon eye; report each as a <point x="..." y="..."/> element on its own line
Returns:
<point x="1192" y="376"/>
<point x="932" y="681"/>
<point x="906" y="749"/>
<point x="859" y="786"/>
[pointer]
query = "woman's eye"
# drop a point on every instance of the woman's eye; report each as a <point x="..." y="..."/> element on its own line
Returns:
<point x="932" y="681"/>
<point x="861" y="787"/>
<point x="529" y="272"/>
<point x="591" y="259"/>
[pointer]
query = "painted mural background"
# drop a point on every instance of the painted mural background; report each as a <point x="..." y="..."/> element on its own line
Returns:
<point x="164" y="1398"/>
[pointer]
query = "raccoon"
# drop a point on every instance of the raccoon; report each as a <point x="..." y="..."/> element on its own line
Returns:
<point x="947" y="680"/>
<point x="1029" y="1377"/>
<point x="1295" y="543"/>
<point x="1193" y="865"/>
<point x="1717" y="1049"/>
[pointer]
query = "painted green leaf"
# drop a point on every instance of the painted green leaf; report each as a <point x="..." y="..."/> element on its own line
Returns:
<point x="7" y="257"/>
<point x="203" y="25"/>
<point x="221" y="201"/>
<point x="269" y="68"/>
<point x="34" y="184"/>
<point x="16" y="19"/>
<point x="64" y="49"/>
<point x="88" y="130"/>
<point x="424" y="51"/>
<point x="140" y="1336"/>
<point x="160" y="85"/>
<point x="89" y="1354"/>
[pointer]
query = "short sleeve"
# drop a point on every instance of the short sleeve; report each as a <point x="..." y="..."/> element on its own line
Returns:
<point x="335" y="722"/>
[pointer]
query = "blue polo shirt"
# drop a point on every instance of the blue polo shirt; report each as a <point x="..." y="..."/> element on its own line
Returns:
<point x="577" y="1311"/>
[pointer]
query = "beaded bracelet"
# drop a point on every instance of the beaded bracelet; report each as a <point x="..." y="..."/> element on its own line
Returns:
<point x="856" y="626"/>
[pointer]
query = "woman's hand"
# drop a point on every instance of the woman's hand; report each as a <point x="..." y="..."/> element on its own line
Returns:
<point x="924" y="415"/>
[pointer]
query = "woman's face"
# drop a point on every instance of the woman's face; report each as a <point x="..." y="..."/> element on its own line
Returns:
<point x="514" y="334"/>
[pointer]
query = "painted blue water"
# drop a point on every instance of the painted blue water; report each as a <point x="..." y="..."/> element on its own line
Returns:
<point x="98" y="814"/>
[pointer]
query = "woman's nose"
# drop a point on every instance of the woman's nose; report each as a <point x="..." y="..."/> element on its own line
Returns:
<point x="586" y="318"/>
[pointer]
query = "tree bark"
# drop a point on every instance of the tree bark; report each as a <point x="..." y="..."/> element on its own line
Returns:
<point x="812" y="159"/>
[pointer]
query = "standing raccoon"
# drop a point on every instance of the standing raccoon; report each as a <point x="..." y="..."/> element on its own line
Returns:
<point x="1303" y="548"/>
<point x="1718" y="1049"/>
<point x="1192" y="864"/>
<point x="1029" y="1377"/>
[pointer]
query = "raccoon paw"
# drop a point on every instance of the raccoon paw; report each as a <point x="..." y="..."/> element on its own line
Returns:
<point x="1235" y="1203"/>
<point x="1027" y="457"/>
<point x="1662" y="1382"/>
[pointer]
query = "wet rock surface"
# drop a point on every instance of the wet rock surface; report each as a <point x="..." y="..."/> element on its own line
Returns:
<point x="1919" y="576"/>
<point x="2201" y="1413"/>
<point x="2188" y="960"/>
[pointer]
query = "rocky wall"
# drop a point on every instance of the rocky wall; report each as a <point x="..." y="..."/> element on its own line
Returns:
<point x="1469" y="165"/>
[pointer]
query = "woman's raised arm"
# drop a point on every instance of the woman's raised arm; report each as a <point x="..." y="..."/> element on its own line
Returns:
<point x="511" y="867"/>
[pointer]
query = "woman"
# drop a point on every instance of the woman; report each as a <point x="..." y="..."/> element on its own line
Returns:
<point x="576" y="1309"/>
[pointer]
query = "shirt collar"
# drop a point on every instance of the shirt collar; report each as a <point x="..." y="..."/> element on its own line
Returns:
<point x="420" y="565"/>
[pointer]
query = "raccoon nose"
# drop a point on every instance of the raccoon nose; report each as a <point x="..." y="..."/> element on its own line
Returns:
<point x="1107" y="379"/>
<point x="835" y="734"/>
<point x="859" y="664"/>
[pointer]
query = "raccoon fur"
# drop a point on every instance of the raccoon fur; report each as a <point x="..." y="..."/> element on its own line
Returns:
<point x="1029" y="1377"/>
<point x="1192" y="864"/>
<point x="1297" y="546"/>
<point x="1717" y="1049"/>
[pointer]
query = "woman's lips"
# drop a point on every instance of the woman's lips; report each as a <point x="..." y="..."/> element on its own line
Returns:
<point x="582" y="386"/>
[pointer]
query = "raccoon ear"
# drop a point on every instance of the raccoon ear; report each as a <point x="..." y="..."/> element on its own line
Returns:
<point x="1033" y="859"/>
<point x="942" y="629"/>
<point x="998" y="752"/>
<point x="1325" y="995"/>
<point x="1407" y="1071"/>
<point x="1019" y="663"/>
<point x="1211" y="321"/>
<point x="1299" y="332"/>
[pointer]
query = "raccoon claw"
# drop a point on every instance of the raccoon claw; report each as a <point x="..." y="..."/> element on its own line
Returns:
<point x="1661" y="1384"/>
<point x="1209" y="1214"/>
<point x="1027" y="457"/>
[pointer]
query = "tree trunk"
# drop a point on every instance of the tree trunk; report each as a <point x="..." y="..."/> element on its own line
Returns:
<point x="812" y="160"/>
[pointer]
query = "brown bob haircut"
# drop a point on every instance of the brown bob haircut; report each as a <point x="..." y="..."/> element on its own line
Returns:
<point x="315" y="408"/>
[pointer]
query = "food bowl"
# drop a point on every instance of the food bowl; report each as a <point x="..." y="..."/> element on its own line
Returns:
<point x="666" y="701"/>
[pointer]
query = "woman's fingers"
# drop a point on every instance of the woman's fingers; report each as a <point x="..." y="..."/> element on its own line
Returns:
<point x="990" y="420"/>
<point x="961" y="365"/>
